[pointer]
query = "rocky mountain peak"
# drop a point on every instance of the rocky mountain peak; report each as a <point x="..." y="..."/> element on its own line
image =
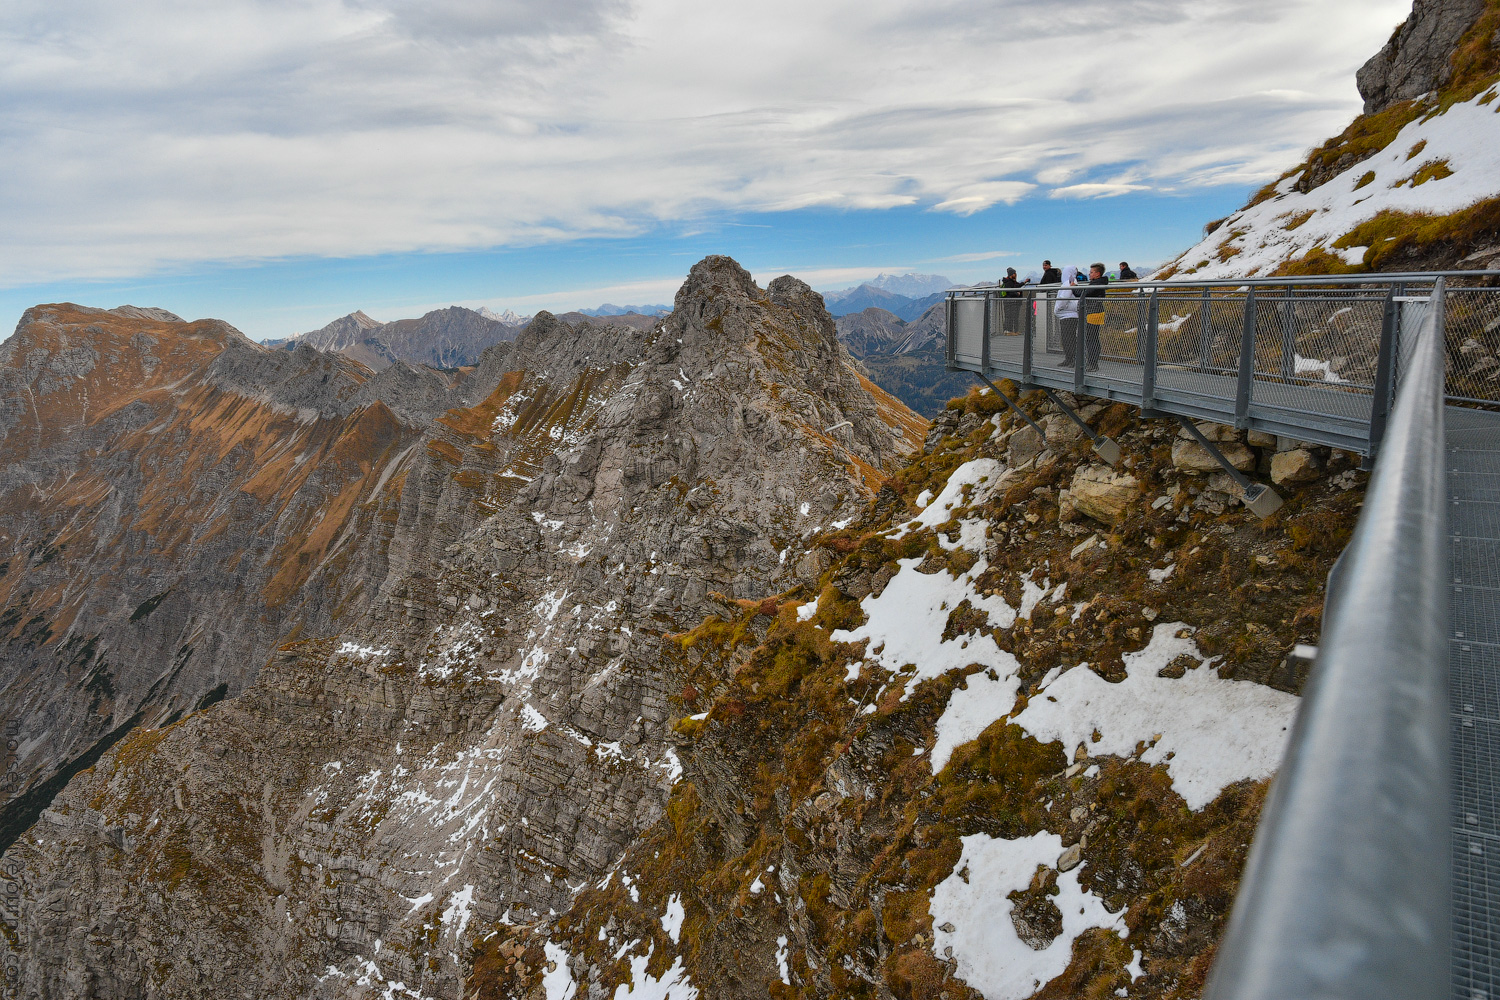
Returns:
<point x="1418" y="58"/>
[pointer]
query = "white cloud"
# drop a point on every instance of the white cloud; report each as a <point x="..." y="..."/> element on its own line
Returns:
<point x="140" y="135"/>
<point x="1101" y="190"/>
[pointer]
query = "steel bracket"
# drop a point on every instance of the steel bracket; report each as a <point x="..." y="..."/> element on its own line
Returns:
<point x="1260" y="498"/>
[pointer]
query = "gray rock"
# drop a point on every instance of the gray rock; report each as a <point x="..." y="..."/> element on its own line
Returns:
<point x="1415" y="60"/>
<point x="441" y="634"/>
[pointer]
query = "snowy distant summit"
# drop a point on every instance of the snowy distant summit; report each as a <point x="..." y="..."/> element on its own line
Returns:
<point x="906" y="295"/>
<point x="1412" y="184"/>
<point x="911" y="286"/>
<point x="508" y="317"/>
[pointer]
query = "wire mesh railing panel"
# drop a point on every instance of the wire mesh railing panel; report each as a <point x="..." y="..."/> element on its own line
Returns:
<point x="1410" y="312"/>
<point x="1473" y="343"/>
<point x="1332" y="341"/>
<point x="968" y="329"/>
<point x="1303" y="354"/>
<point x="1121" y="332"/>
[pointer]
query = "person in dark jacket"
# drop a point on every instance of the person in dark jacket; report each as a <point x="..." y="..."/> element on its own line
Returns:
<point x="1050" y="274"/>
<point x="1092" y="309"/>
<point x="1012" y="319"/>
<point x="1126" y="274"/>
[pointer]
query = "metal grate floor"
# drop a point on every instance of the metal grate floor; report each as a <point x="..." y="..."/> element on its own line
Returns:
<point x="1474" y="694"/>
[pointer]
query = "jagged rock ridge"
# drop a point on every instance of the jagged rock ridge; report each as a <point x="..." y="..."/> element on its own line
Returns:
<point x="472" y="723"/>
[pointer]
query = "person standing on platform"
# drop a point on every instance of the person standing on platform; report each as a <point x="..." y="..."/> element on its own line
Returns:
<point x="1066" y="311"/>
<point x="1050" y="274"/>
<point x="1126" y="274"/>
<point x="1012" y="310"/>
<point x="1093" y="314"/>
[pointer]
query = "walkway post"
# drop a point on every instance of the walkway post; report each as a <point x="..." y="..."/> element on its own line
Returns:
<point x="1380" y="404"/>
<point x="1247" y="364"/>
<point x="1028" y="331"/>
<point x="1205" y="343"/>
<point x="1148" y="374"/>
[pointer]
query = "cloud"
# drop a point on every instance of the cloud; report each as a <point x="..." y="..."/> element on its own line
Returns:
<point x="1101" y="190"/>
<point x="146" y="135"/>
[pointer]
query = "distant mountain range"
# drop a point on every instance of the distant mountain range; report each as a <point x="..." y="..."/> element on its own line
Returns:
<point x="610" y="309"/>
<point x="906" y="296"/>
<point x="911" y="286"/>
<point x="446" y="338"/>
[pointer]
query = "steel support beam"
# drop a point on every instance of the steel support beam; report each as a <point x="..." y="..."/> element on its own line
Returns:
<point x="1104" y="447"/>
<point x="1260" y="498"/>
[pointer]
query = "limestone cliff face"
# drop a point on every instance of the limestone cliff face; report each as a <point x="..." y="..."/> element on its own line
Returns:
<point x="175" y="498"/>
<point x="447" y="702"/>
<point x="1418" y="58"/>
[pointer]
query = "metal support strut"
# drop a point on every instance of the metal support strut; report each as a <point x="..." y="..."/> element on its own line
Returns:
<point x="1260" y="498"/>
<point x="1104" y="447"/>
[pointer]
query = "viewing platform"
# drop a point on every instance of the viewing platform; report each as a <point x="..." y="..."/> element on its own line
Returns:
<point x="1375" y="872"/>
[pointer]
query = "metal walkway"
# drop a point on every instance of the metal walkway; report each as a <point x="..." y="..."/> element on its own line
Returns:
<point x="1313" y="359"/>
<point x="1473" y="451"/>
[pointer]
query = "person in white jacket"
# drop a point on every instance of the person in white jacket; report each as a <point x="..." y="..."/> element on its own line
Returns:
<point x="1066" y="311"/>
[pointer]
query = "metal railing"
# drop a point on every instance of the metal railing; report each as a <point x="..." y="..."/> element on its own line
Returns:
<point x="1346" y="893"/>
<point x="1316" y="359"/>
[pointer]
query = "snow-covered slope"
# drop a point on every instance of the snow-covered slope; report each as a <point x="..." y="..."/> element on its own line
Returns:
<point x="1441" y="163"/>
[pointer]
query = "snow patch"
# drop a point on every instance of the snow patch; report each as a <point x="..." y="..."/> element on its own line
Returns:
<point x="673" y="985"/>
<point x="970" y="711"/>
<point x="973" y="902"/>
<point x="1210" y="732"/>
<point x="905" y="626"/>
<point x="558" y="982"/>
<point x="458" y="909"/>
<point x="671" y="920"/>
<point x="978" y="476"/>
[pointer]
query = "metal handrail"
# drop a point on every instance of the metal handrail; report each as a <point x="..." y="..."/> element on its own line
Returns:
<point x="1347" y="890"/>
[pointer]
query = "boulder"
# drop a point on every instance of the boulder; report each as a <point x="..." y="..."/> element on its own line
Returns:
<point x="1061" y="431"/>
<point x="1292" y="467"/>
<point x="1102" y="493"/>
<point x="1222" y="482"/>
<point x="1212" y="431"/>
<point x="1025" y="444"/>
<point x="1260" y="439"/>
<point x="1190" y="456"/>
<point x="1066" y="509"/>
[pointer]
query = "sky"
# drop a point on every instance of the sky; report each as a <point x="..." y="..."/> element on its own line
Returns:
<point x="279" y="163"/>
